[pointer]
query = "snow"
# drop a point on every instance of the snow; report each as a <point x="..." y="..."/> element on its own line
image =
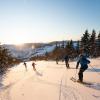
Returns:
<point x="50" y="82"/>
<point x="26" y="53"/>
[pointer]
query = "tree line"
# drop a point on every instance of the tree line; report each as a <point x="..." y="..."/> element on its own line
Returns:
<point x="6" y="59"/>
<point x="89" y="43"/>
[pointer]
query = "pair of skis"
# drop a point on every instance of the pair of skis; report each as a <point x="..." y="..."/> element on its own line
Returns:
<point x="74" y="79"/>
<point x="84" y="83"/>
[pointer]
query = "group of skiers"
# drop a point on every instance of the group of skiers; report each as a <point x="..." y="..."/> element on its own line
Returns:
<point x="33" y="65"/>
<point x="82" y="60"/>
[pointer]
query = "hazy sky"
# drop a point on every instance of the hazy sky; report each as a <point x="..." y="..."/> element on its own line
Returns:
<point x="47" y="20"/>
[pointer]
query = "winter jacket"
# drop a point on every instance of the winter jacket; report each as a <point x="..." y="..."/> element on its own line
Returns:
<point x="66" y="58"/>
<point x="83" y="61"/>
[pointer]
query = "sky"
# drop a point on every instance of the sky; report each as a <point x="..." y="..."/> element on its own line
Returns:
<point x="26" y="21"/>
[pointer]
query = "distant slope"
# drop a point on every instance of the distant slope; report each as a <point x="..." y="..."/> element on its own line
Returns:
<point x="28" y="50"/>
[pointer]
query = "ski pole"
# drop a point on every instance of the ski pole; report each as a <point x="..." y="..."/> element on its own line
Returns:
<point x="75" y="73"/>
<point x="94" y="69"/>
<point x="74" y="78"/>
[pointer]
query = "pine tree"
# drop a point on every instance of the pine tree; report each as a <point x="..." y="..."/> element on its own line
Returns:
<point x="5" y="59"/>
<point x="71" y="44"/>
<point x="69" y="47"/>
<point x="56" y="44"/>
<point x="85" y="42"/>
<point x="98" y="45"/>
<point x="77" y="48"/>
<point x="63" y="45"/>
<point x="93" y="43"/>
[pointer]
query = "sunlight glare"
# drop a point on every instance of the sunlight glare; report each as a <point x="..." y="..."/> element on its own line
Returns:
<point x="18" y="39"/>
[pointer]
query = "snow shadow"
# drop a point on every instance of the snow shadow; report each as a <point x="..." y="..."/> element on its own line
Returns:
<point x="1" y="80"/>
<point x="1" y="85"/>
<point x="96" y="96"/>
<point x="5" y="87"/>
<point x="94" y="86"/>
<point x="39" y="73"/>
<point x="93" y="69"/>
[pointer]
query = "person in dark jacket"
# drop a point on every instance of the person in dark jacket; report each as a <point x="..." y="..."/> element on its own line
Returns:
<point x="66" y="58"/>
<point x="57" y="60"/>
<point x="25" y="65"/>
<point x="33" y="64"/>
<point x="83" y="61"/>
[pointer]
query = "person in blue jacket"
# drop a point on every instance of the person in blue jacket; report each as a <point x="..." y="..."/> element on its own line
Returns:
<point x="83" y="61"/>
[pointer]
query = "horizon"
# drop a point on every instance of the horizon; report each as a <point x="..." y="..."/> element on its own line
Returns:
<point x="35" y="42"/>
<point x="33" y="21"/>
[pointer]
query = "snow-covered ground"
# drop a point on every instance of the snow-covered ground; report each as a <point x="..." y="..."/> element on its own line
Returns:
<point x="50" y="82"/>
<point x="27" y="53"/>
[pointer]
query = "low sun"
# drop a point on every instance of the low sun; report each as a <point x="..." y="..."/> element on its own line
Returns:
<point x="18" y="39"/>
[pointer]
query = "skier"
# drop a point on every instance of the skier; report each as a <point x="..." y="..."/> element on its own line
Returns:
<point x="33" y="64"/>
<point x="66" y="58"/>
<point x="57" y="60"/>
<point x="25" y="65"/>
<point x="83" y="61"/>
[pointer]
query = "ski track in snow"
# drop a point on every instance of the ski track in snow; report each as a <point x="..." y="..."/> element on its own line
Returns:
<point x="66" y="91"/>
<point x="4" y="93"/>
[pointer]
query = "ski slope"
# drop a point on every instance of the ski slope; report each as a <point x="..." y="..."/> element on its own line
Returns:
<point x="50" y="82"/>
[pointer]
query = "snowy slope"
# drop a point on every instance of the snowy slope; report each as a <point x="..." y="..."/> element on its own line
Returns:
<point x="27" y="53"/>
<point x="50" y="82"/>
